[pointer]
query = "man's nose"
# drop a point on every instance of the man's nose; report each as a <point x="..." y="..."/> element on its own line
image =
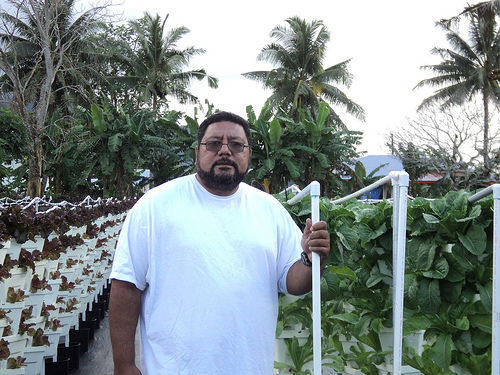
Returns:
<point x="225" y="149"/>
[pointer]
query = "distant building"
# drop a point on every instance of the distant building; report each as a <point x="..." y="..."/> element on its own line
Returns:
<point x="371" y="162"/>
<point x="392" y="163"/>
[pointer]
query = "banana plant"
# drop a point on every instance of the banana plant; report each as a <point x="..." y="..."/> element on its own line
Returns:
<point x="285" y="150"/>
<point x="270" y="159"/>
<point x="115" y="146"/>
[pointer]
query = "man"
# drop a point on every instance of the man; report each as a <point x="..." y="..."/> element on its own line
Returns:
<point x="201" y="260"/>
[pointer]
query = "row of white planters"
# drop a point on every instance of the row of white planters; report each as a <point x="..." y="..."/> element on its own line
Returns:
<point x="281" y="352"/>
<point x="88" y="285"/>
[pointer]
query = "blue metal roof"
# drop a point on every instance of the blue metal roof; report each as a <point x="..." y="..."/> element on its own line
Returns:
<point x="371" y="162"/>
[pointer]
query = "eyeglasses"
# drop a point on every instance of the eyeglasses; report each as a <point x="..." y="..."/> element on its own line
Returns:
<point x="234" y="147"/>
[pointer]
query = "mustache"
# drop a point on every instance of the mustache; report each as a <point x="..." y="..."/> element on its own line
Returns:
<point x="225" y="161"/>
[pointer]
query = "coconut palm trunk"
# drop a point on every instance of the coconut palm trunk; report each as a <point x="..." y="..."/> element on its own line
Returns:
<point x="486" y="131"/>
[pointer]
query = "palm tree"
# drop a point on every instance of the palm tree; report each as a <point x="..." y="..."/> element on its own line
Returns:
<point x="155" y="64"/>
<point x="299" y="80"/>
<point x="469" y="68"/>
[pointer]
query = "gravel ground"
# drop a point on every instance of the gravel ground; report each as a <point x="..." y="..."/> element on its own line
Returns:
<point x="99" y="358"/>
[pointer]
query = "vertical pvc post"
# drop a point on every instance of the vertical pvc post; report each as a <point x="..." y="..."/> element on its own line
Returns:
<point x="495" y="338"/>
<point x="399" y="270"/>
<point x="395" y="222"/>
<point x="314" y="190"/>
<point x="316" y="284"/>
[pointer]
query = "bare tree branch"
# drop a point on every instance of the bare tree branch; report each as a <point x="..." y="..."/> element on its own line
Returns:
<point x="34" y="47"/>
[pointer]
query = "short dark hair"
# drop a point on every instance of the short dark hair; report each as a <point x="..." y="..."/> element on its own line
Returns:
<point x="224" y="116"/>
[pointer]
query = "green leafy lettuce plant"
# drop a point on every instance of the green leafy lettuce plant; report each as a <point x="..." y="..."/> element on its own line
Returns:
<point x="448" y="281"/>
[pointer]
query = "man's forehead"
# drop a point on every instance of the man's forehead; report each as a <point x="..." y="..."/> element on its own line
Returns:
<point x="225" y="128"/>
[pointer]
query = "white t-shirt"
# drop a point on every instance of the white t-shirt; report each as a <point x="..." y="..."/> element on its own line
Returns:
<point x="211" y="268"/>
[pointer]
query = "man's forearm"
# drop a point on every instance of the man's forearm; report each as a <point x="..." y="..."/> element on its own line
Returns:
<point x="299" y="279"/>
<point x="124" y="310"/>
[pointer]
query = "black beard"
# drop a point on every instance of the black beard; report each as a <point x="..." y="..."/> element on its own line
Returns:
<point x="222" y="182"/>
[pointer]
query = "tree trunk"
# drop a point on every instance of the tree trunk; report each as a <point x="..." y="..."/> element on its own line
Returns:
<point x="35" y="165"/>
<point x="57" y="182"/>
<point x="486" y="131"/>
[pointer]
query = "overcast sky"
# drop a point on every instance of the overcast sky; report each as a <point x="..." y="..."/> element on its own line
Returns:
<point x="387" y="42"/>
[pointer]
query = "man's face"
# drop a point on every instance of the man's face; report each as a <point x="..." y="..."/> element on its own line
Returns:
<point x="221" y="171"/>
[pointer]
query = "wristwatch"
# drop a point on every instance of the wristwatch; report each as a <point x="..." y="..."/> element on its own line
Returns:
<point x="305" y="259"/>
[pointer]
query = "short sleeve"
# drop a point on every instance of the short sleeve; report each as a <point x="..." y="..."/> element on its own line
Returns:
<point x="131" y="260"/>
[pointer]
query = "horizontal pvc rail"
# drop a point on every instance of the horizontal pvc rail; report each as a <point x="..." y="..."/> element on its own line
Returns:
<point x="314" y="190"/>
<point x="495" y="334"/>
<point x="364" y="190"/>
<point x="291" y="189"/>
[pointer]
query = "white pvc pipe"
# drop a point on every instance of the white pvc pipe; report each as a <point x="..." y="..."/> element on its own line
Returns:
<point x="300" y="195"/>
<point x="495" y="327"/>
<point x="399" y="255"/>
<point x="314" y="189"/>
<point x="495" y="338"/>
<point x="395" y="220"/>
<point x="395" y="252"/>
<point x="481" y="194"/>
<point x="316" y="284"/>
<point x="376" y="184"/>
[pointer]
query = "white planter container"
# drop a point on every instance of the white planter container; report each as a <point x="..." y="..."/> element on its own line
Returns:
<point x="73" y="231"/>
<point x="3" y="323"/>
<point x="68" y="320"/>
<point x="91" y="243"/>
<point x="40" y="267"/>
<point x="78" y="252"/>
<point x="34" y="360"/>
<point x="17" y="371"/>
<point x="50" y="266"/>
<point x="415" y="341"/>
<point x="51" y="295"/>
<point x="53" y="337"/>
<point x="17" y="344"/>
<point x="36" y="300"/>
<point x="348" y="370"/>
<point x="37" y="244"/>
<point x="70" y="273"/>
<point x="76" y="292"/>
<point x="386" y="369"/>
<point x="84" y="282"/>
<point x="347" y="344"/>
<point x="14" y="250"/>
<point x="3" y="250"/>
<point x="17" y="280"/>
<point x="38" y="322"/>
<point x="86" y="298"/>
<point x="281" y="351"/>
<point x="15" y="310"/>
